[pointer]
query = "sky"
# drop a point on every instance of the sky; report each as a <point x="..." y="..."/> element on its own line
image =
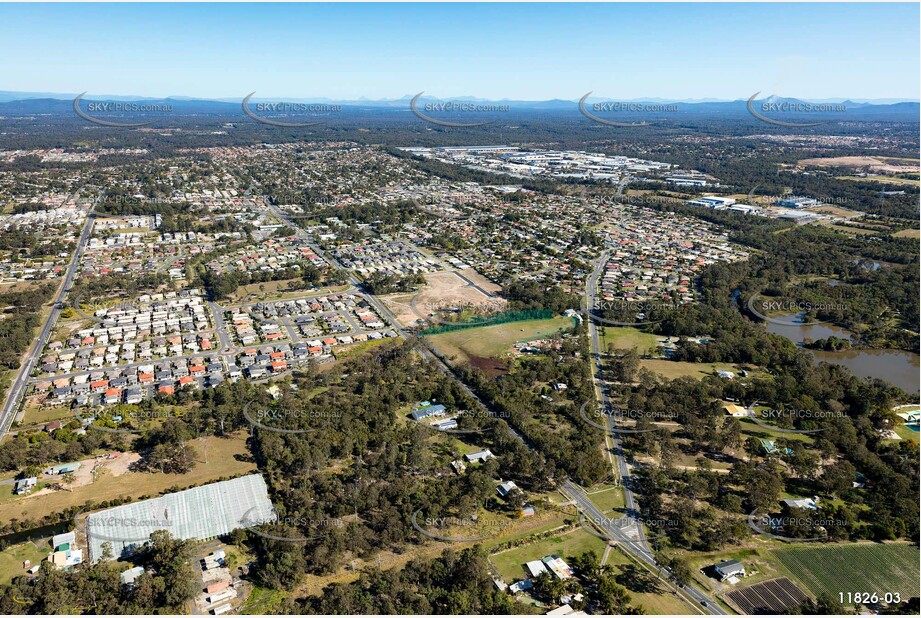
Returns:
<point x="494" y="51"/>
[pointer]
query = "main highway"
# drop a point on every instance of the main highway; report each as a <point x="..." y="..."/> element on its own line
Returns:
<point x="19" y="385"/>
<point x="627" y="531"/>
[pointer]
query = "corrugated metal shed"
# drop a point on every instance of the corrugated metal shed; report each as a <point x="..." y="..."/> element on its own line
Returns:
<point x="198" y="513"/>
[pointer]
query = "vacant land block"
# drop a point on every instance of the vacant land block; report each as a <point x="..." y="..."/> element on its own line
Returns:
<point x="216" y="458"/>
<point x="493" y="341"/>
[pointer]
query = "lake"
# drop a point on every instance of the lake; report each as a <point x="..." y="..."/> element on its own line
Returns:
<point x="895" y="366"/>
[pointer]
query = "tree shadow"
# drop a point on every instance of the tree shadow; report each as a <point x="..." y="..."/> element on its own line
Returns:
<point x="638" y="580"/>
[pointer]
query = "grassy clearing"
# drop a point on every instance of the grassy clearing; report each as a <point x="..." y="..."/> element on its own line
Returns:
<point x="908" y="234"/>
<point x="608" y="498"/>
<point x="863" y="567"/>
<point x="847" y="229"/>
<point x="222" y="461"/>
<point x="679" y="369"/>
<point x="276" y="290"/>
<point x="493" y="341"/>
<point x="750" y="428"/>
<point x="890" y="180"/>
<point x="35" y="417"/>
<point x="510" y="564"/>
<point x="263" y="601"/>
<point x="12" y="557"/>
<point x="626" y="337"/>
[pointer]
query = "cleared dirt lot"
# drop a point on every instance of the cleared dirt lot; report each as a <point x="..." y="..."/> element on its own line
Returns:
<point x="877" y="164"/>
<point x="835" y="211"/>
<point x="443" y="290"/>
<point x="85" y="474"/>
<point x="216" y="458"/>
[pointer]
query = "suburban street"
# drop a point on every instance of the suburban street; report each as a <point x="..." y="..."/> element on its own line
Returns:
<point x="384" y="312"/>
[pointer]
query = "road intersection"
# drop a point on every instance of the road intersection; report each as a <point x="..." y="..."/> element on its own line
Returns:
<point x="627" y="531"/>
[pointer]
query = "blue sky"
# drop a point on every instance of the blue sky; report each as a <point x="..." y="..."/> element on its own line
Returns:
<point x="516" y="51"/>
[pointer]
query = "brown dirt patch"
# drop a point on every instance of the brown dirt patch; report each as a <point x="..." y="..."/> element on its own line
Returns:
<point x="875" y="164"/>
<point x="443" y="290"/>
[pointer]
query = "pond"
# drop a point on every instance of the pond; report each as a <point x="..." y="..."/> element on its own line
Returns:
<point x="897" y="367"/>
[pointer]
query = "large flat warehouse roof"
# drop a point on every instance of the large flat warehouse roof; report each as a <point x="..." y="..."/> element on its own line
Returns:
<point x="197" y="513"/>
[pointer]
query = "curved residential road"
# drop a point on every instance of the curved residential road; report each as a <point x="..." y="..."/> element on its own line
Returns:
<point x="18" y="388"/>
<point x="384" y="312"/>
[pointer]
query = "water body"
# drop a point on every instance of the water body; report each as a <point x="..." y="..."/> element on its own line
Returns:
<point x="894" y="366"/>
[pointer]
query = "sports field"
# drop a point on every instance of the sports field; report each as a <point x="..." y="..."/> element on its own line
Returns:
<point x="864" y="567"/>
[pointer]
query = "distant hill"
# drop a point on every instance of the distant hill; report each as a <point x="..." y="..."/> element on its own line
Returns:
<point x="23" y="103"/>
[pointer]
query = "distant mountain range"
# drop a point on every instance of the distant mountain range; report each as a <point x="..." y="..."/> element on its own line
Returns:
<point x="12" y="102"/>
<point x="11" y="95"/>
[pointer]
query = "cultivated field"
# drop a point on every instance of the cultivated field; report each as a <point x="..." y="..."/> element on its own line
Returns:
<point x="776" y="596"/>
<point x="864" y="567"/>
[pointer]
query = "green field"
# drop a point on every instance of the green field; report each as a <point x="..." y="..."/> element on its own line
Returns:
<point x="750" y="428"/>
<point x="907" y="434"/>
<point x="493" y="341"/>
<point x="510" y="564"/>
<point x="865" y="567"/>
<point x="12" y="557"/>
<point x="679" y="369"/>
<point x="608" y="497"/>
<point x="263" y="601"/>
<point x="626" y="337"/>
